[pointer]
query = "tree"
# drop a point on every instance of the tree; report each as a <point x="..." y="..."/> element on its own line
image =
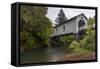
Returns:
<point x="91" y="25"/>
<point x="91" y="21"/>
<point x="61" y="17"/>
<point x="35" y="27"/>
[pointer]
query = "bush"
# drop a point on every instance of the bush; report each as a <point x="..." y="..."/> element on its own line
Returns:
<point x="74" y="46"/>
<point x="67" y="39"/>
<point x="88" y="42"/>
<point x="28" y="41"/>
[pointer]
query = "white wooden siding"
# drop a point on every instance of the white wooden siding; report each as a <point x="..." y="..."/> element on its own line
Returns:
<point x="78" y="19"/>
<point x="70" y="27"/>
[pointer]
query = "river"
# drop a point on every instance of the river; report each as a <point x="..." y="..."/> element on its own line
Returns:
<point x="42" y="55"/>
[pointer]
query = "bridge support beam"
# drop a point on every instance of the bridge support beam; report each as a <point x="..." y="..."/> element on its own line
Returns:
<point x="77" y="36"/>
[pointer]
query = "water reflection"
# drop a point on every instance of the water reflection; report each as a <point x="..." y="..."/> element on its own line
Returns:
<point x="42" y="55"/>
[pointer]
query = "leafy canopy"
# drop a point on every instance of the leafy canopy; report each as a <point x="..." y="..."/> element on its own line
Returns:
<point x="35" y="27"/>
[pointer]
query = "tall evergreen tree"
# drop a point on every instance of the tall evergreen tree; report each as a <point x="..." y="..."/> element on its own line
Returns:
<point x="61" y="17"/>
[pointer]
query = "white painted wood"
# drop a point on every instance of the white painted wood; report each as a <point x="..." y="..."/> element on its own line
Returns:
<point x="81" y="17"/>
<point x="70" y="26"/>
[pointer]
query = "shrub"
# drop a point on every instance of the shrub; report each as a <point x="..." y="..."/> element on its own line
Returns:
<point x="88" y="42"/>
<point x="67" y="39"/>
<point x="74" y="45"/>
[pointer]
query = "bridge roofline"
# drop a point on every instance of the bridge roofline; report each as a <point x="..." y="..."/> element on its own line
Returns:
<point x="71" y="19"/>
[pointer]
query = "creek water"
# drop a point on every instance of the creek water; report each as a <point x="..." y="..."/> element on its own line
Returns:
<point x="42" y="55"/>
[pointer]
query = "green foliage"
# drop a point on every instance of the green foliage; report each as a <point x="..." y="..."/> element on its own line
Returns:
<point x="87" y="44"/>
<point x="91" y="21"/>
<point x="35" y="27"/>
<point x="89" y="41"/>
<point x="67" y="39"/>
<point x="24" y="35"/>
<point x="74" y="46"/>
<point x="29" y="44"/>
<point x="27" y="40"/>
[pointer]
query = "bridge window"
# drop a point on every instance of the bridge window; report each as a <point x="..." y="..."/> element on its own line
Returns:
<point x="81" y="23"/>
<point x="64" y="28"/>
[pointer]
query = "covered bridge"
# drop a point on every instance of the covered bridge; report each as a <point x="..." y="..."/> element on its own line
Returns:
<point x="71" y="26"/>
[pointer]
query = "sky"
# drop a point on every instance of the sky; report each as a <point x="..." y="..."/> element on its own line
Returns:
<point x="52" y="13"/>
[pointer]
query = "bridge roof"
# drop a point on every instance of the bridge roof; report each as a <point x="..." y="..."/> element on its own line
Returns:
<point x="70" y="20"/>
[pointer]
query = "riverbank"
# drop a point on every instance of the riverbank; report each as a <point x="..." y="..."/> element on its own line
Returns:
<point x="54" y="55"/>
<point x="77" y="56"/>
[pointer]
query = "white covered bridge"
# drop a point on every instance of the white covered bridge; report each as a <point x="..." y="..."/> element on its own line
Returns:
<point x="73" y="25"/>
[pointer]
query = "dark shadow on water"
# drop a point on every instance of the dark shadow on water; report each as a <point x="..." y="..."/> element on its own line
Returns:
<point x="42" y="55"/>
